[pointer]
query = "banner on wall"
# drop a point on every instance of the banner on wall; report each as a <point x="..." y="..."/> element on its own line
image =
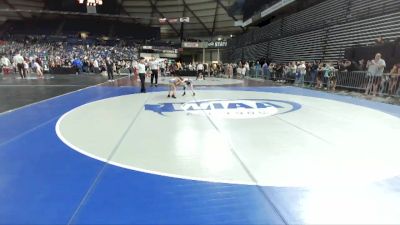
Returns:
<point x="217" y="44"/>
<point x="193" y="45"/>
<point x="211" y="44"/>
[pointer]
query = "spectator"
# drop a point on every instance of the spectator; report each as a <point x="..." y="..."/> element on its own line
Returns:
<point x="320" y="75"/>
<point x="110" y="69"/>
<point x="302" y="73"/>
<point x="96" y="66"/>
<point x="379" y="40"/>
<point x="77" y="65"/>
<point x="5" y="65"/>
<point x="265" y="71"/>
<point x="394" y="79"/>
<point x="200" y="71"/>
<point x="362" y="65"/>
<point x="313" y="72"/>
<point x="293" y="69"/>
<point x="246" y="69"/>
<point x="375" y="71"/>
<point x="258" y="68"/>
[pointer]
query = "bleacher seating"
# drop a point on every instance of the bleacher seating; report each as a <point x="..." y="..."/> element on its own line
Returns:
<point x="362" y="32"/>
<point x="306" y="47"/>
<point x="321" y="32"/>
<point x="73" y="26"/>
<point x="268" y="32"/>
<point x="363" y="8"/>
<point x="316" y="17"/>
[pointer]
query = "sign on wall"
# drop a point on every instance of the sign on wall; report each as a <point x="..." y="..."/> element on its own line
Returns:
<point x="211" y="44"/>
<point x="217" y="44"/>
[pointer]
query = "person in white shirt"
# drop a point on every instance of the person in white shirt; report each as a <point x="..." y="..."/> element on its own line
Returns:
<point x="375" y="71"/>
<point x="96" y="66"/>
<point x="5" y="65"/>
<point x="302" y="70"/>
<point x="18" y="60"/>
<point x="142" y="75"/>
<point x="239" y="71"/>
<point x="246" y="69"/>
<point x="154" y="72"/>
<point x="26" y="67"/>
<point x="162" y="67"/>
<point x="200" y="71"/>
<point x="4" y="61"/>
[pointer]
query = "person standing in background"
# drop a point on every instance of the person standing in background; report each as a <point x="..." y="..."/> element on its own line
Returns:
<point x="142" y="75"/>
<point x="5" y="65"/>
<point x="77" y="64"/>
<point x="135" y="70"/>
<point x="394" y="77"/>
<point x="246" y="69"/>
<point x="154" y="72"/>
<point x="26" y="66"/>
<point x="313" y="72"/>
<point x="110" y="69"/>
<point x="375" y="71"/>
<point x="302" y="73"/>
<point x="179" y="65"/>
<point x="327" y="73"/>
<point x="19" y="63"/>
<point x="96" y="66"/>
<point x="206" y="70"/>
<point x="200" y="71"/>
<point x="265" y="71"/>
<point x="320" y="76"/>
<point x="163" y="66"/>
<point x="230" y="70"/>
<point x="258" y="68"/>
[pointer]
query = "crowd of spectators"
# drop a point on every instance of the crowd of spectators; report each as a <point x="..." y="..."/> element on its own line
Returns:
<point x="53" y="56"/>
<point x="368" y="75"/>
<point x="25" y="57"/>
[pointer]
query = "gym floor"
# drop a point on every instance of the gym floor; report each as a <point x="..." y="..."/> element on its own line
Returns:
<point x="237" y="152"/>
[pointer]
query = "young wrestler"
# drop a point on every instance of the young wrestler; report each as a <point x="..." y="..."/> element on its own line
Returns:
<point x="173" y="83"/>
<point x="187" y="83"/>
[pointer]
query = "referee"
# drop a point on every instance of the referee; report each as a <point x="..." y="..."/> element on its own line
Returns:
<point x="19" y="63"/>
<point x="154" y="71"/>
<point x="142" y="74"/>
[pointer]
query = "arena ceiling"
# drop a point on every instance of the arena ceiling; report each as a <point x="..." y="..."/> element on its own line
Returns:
<point x="208" y="18"/>
<point x="18" y="4"/>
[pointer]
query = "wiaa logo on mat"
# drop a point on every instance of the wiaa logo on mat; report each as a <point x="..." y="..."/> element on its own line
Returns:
<point x="228" y="109"/>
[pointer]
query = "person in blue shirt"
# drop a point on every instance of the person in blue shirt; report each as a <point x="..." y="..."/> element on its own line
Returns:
<point x="77" y="64"/>
<point x="258" y="68"/>
<point x="265" y="70"/>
